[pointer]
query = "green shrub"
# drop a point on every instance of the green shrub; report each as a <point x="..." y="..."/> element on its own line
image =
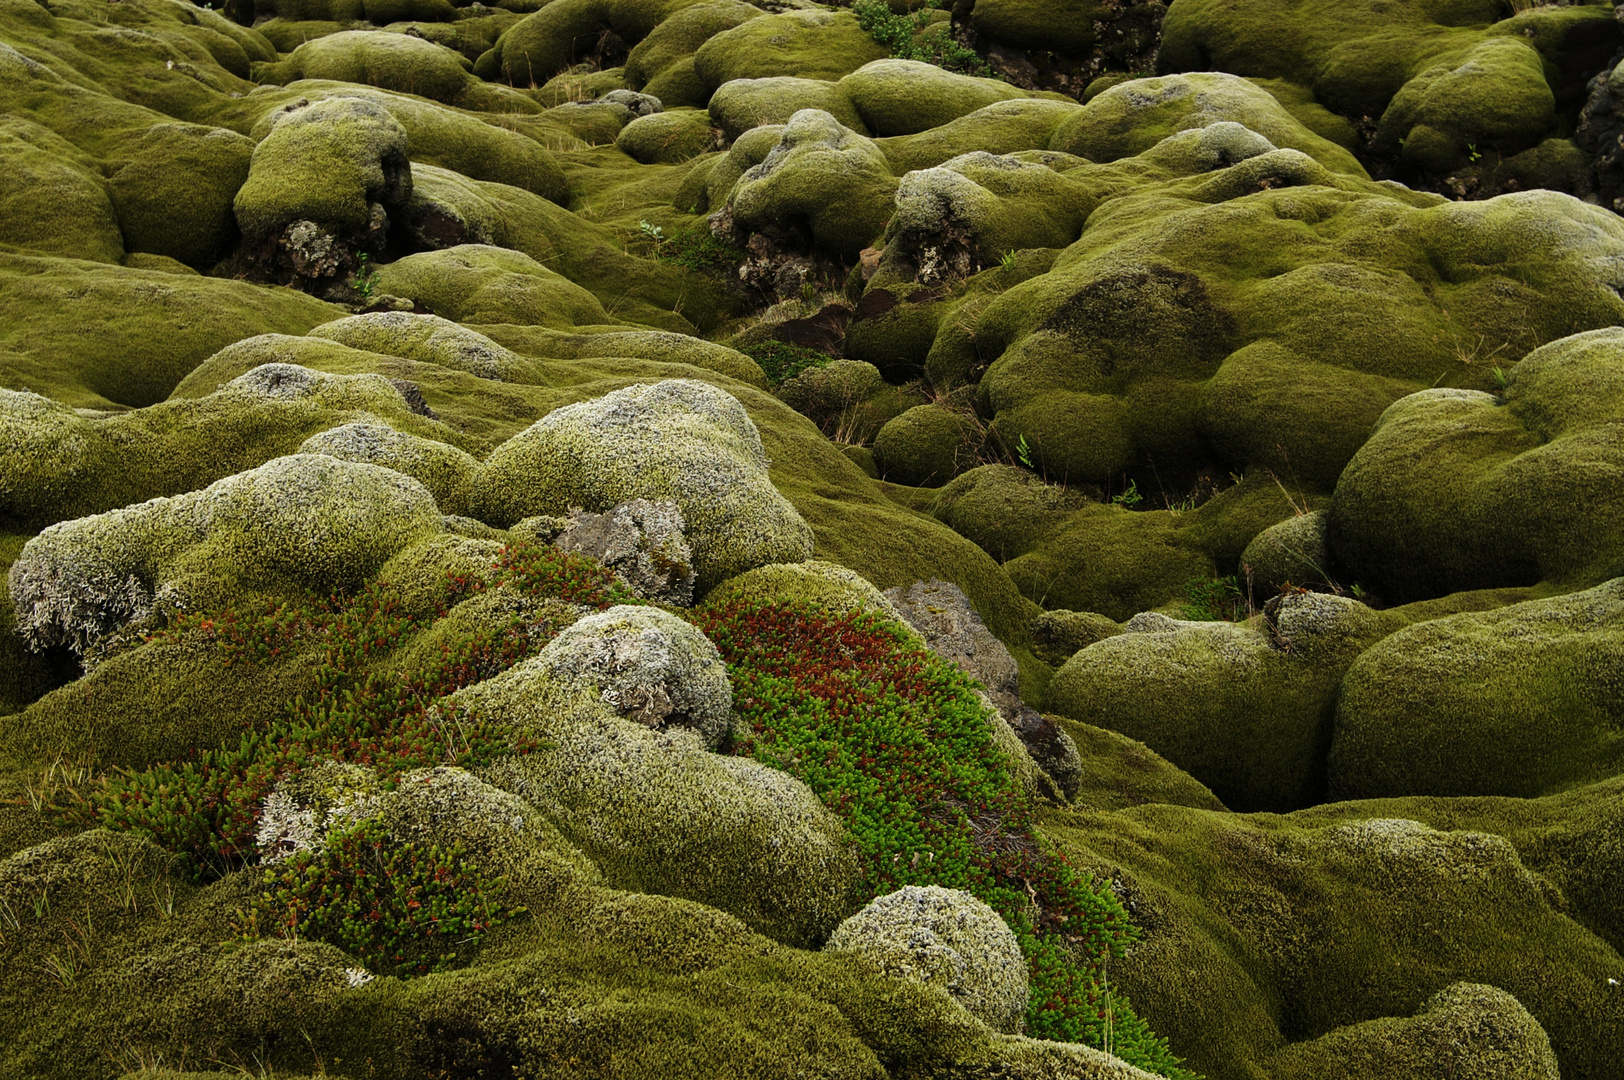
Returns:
<point x="913" y="37"/>
<point x="897" y="743"/>
<point x="782" y="361"/>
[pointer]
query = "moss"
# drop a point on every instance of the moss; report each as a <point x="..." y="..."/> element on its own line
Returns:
<point x="822" y="179"/>
<point x="173" y="188"/>
<point x="1290" y="552"/>
<point x="1059" y="635"/>
<point x="57" y="340"/>
<point x="987" y="206"/>
<point x="1131" y="117"/>
<point x="1468" y="1028"/>
<point x="667" y="137"/>
<point x="444" y="137"/>
<point x="53" y="199"/>
<point x="1004" y="127"/>
<point x="663" y="61"/>
<point x="1516" y="701"/>
<point x="399" y="62"/>
<point x="1119" y="772"/>
<point x="809" y="44"/>
<point x="708" y="459"/>
<point x="1495" y="96"/>
<point x="927" y="445"/>
<point x="444" y="470"/>
<point x="1331" y="412"/>
<point x="947" y="938"/>
<point x="653" y="345"/>
<point x="848" y="400"/>
<point x="905" y="97"/>
<point x="647" y="666"/>
<point x="477" y="283"/>
<point x="741" y="104"/>
<point x="1249" y="719"/>
<point x="1071" y="26"/>
<point x="824" y="585"/>
<point x="659" y="814"/>
<point x="307" y="519"/>
<point x="1495" y="499"/>
<point x="329" y="162"/>
<point x="564" y="33"/>
<point x="418" y="572"/>
<point x="427" y="338"/>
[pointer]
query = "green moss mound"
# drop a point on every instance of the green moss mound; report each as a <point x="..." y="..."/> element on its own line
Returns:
<point x="1514" y="489"/>
<point x="808" y="44"/>
<point x="927" y="445"/>
<point x="1517" y="701"/>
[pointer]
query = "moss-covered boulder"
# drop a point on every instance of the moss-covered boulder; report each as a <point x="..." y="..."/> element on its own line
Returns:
<point x="741" y="104"/>
<point x="647" y="666"/>
<point x="927" y="446"/>
<point x="566" y="32"/>
<point x="822" y="185"/>
<point x="1291" y="552"/>
<point x="973" y="210"/>
<point x="1481" y="490"/>
<point x="56" y="339"/>
<point x="174" y="188"/>
<point x="677" y="440"/>
<point x="480" y="283"/>
<point x="660" y="814"/>
<point x="399" y="62"/>
<point x="904" y="97"/>
<point x="947" y="938"/>
<point x="1467" y="1029"/>
<point x="808" y="44"/>
<point x="1247" y="711"/>
<point x="668" y="137"/>
<point x="444" y="470"/>
<point x="825" y="585"/>
<point x="847" y="399"/>
<point x="52" y="199"/>
<point x="323" y="182"/>
<point x="1134" y="116"/>
<point x="1516" y="701"/>
<point x="427" y="338"/>
<point x="662" y="63"/>
<point x="308" y="518"/>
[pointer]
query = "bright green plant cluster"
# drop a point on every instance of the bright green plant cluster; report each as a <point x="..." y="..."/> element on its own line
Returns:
<point x="694" y="248"/>
<point x="896" y="742"/>
<point x="402" y="909"/>
<point x="354" y="710"/>
<point x="913" y="37"/>
<point x="782" y="361"/>
<point x="1214" y="600"/>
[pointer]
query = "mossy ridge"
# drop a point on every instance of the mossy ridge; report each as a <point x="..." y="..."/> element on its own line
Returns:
<point x="1287" y="928"/>
<point x="66" y="466"/>
<point x="58" y="343"/>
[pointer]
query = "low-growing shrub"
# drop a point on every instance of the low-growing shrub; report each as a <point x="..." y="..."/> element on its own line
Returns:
<point x="896" y="741"/>
<point x="402" y="909"/>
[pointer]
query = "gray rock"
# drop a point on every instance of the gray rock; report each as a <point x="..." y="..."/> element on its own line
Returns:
<point x="649" y="666"/>
<point x="642" y="542"/>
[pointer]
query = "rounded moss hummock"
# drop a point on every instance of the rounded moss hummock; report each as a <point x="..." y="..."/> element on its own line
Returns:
<point x="927" y="446"/>
<point x="823" y="177"/>
<point x="1517" y="701"/>
<point x="443" y="469"/>
<point x="680" y="440"/>
<point x="336" y="163"/>
<point x="309" y="518"/>
<point x="945" y="938"/>
<point x="834" y="588"/>
<point x="426" y="338"/>
<point x="648" y="666"/>
<point x="1469" y="1031"/>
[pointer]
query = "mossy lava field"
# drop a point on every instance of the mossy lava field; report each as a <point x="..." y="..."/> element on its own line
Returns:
<point x="777" y="540"/>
